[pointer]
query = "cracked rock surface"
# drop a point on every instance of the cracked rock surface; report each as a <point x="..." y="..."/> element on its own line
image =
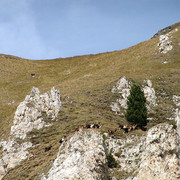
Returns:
<point x="82" y="156"/>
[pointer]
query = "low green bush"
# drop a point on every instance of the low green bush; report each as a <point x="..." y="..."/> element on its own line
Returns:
<point x="111" y="161"/>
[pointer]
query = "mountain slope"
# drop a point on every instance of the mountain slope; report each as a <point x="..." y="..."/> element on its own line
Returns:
<point x="85" y="83"/>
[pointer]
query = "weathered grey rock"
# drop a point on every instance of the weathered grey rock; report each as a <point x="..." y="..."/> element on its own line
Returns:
<point x="165" y="44"/>
<point x="28" y="115"/>
<point x="13" y="154"/>
<point x="154" y="156"/>
<point x="176" y="100"/>
<point x="81" y="157"/>
<point x="123" y="87"/>
<point x="177" y="120"/>
<point x="115" y="106"/>
<point x="128" y="151"/>
<point x="161" y="155"/>
<point x="149" y="94"/>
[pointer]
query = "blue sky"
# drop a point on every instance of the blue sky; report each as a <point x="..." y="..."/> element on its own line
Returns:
<point x="45" y="29"/>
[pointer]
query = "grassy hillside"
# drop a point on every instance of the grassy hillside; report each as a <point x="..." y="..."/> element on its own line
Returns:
<point x="87" y="81"/>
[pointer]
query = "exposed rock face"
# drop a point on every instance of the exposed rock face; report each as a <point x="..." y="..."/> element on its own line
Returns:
<point x="165" y="44"/>
<point x="13" y="154"/>
<point x="161" y="159"/>
<point x="176" y="100"/>
<point x="149" y="94"/>
<point x="29" y="112"/>
<point x="81" y="157"/>
<point x="177" y="119"/>
<point x="128" y="151"/>
<point x="154" y="156"/>
<point x="123" y="87"/>
<point x="28" y="116"/>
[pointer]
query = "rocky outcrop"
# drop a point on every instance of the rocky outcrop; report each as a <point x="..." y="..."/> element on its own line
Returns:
<point x="127" y="151"/>
<point x="160" y="159"/>
<point x="154" y="156"/>
<point x="149" y="94"/>
<point x="13" y="154"/>
<point x="28" y="116"/>
<point x="165" y="43"/>
<point x="81" y="157"/>
<point x="177" y="120"/>
<point x="123" y="87"/>
<point x="176" y="100"/>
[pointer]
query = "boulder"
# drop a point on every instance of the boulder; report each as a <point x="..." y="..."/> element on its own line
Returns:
<point x="82" y="156"/>
<point x="160" y="160"/>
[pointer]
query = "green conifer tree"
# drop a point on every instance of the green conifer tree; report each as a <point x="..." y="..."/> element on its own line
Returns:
<point x="136" y="111"/>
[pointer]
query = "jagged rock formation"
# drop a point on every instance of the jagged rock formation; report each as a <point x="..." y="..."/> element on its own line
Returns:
<point x="28" y="116"/>
<point x="165" y="44"/>
<point x="160" y="160"/>
<point x="81" y="157"/>
<point x="154" y="156"/>
<point x="123" y="87"/>
<point x="29" y="113"/>
<point x="149" y="93"/>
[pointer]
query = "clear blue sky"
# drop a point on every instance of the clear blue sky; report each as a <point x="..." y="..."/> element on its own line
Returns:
<point x="45" y="29"/>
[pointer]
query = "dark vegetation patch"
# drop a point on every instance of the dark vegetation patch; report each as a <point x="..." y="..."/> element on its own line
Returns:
<point x="111" y="161"/>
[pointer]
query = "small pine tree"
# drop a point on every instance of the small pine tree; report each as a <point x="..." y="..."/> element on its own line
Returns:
<point x="136" y="111"/>
<point x="111" y="161"/>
